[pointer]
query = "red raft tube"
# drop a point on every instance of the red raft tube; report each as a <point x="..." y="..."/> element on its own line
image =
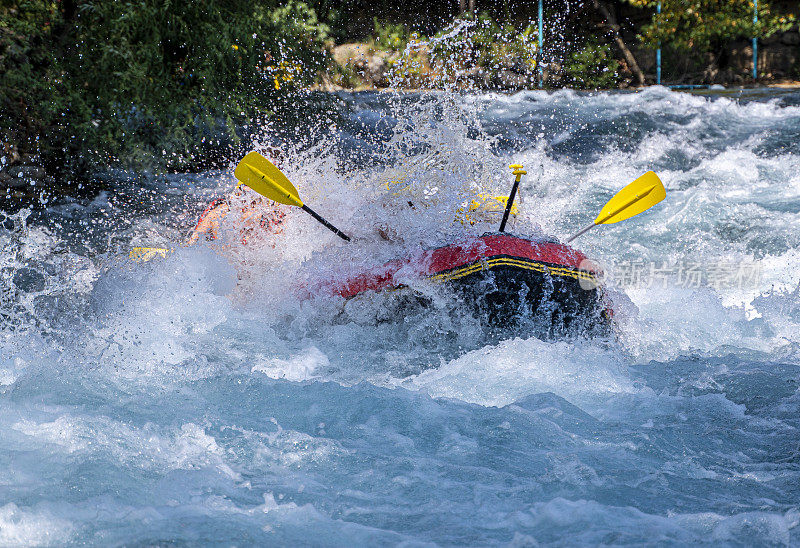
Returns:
<point x="513" y="285"/>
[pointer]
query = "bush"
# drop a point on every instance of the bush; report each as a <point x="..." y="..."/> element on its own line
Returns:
<point x="390" y="37"/>
<point x="592" y="67"/>
<point x="142" y="81"/>
<point x="412" y="69"/>
<point x="482" y="48"/>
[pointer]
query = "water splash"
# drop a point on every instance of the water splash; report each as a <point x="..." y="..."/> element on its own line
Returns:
<point x="199" y="396"/>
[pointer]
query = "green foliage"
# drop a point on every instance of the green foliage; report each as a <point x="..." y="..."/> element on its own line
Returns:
<point x="390" y="37"/>
<point x="408" y="63"/>
<point x="465" y="43"/>
<point x="345" y="76"/>
<point x="483" y="45"/>
<point x="411" y="69"/>
<point x="27" y="83"/>
<point x="141" y="80"/>
<point x="592" y="67"/>
<point x="515" y="49"/>
<point x="300" y="24"/>
<point x="702" y="24"/>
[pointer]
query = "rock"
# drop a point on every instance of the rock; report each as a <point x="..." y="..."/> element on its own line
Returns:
<point x="9" y="155"/>
<point x="372" y="64"/>
<point x="479" y="77"/>
<point x="351" y="53"/>
<point x="22" y="182"/>
<point x="376" y="70"/>
<point x="552" y="74"/>
<point x="326" y="84"/>
<point x="13" y="182"/>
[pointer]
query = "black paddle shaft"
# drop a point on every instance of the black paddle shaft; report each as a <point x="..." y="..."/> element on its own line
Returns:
<point x="510" y="203"/>
<point x="335" y="230"/>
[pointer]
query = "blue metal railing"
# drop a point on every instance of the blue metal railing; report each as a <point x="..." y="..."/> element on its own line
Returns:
<point x="658" y="55"/>
<point x="541" y="39"/>
<point x="755" y="42"/>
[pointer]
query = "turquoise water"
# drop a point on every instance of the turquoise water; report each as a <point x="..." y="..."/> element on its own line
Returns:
<point x="199" y="400"/>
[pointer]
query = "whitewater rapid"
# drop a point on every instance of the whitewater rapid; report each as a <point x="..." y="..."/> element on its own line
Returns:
<point x="198" y="399"/>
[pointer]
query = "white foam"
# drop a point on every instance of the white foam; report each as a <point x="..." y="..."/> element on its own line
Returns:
<point x="148" y="447"/>
<point x="26" y="527"/>
<point x="589" y="522"/>
<point x="499" y="375"/>
<point x="297" y="368"/>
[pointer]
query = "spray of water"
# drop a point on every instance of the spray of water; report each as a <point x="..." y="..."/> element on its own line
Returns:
<point x="213" y="387"/>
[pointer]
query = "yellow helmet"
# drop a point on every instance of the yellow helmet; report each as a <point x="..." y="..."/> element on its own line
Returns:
<point x="485" y="207"/>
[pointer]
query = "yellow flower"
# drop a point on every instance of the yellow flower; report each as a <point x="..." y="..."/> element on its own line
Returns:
<point x="234" y="46"/>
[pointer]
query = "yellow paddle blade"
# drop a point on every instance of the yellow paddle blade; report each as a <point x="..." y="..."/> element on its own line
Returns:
<point x="144" y="254"/>
<point x="262" y="176"/>
<point x="641" y="194"/>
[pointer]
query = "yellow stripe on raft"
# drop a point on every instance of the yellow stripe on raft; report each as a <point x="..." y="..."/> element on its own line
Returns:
<point x="488" y="264"/>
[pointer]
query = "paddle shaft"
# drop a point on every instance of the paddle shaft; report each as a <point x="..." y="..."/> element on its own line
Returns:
<point x="580" y="232"/>
<point x="510" y="203"/>
<point x="335" y="230"/>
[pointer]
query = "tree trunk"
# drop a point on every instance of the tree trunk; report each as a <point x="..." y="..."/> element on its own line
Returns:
<point x="462" y="4"/>
<point x="611" y="24"/>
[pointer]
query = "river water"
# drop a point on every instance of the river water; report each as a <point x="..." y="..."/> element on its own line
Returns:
<point x="202" y="399"/>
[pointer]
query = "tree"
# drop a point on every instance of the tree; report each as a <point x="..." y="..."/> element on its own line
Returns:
<point x="611" y="24"/>
<point x="92" y="81"/>
<point x="704" y="24"/>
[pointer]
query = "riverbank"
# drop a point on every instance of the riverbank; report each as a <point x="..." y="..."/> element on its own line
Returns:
<point x="185" y="104"/>
<point x="24" y="182"/>
<point x="424" y="64"/>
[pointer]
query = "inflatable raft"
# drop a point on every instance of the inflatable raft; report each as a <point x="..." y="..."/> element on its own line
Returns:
<point x="512" y="285"/>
